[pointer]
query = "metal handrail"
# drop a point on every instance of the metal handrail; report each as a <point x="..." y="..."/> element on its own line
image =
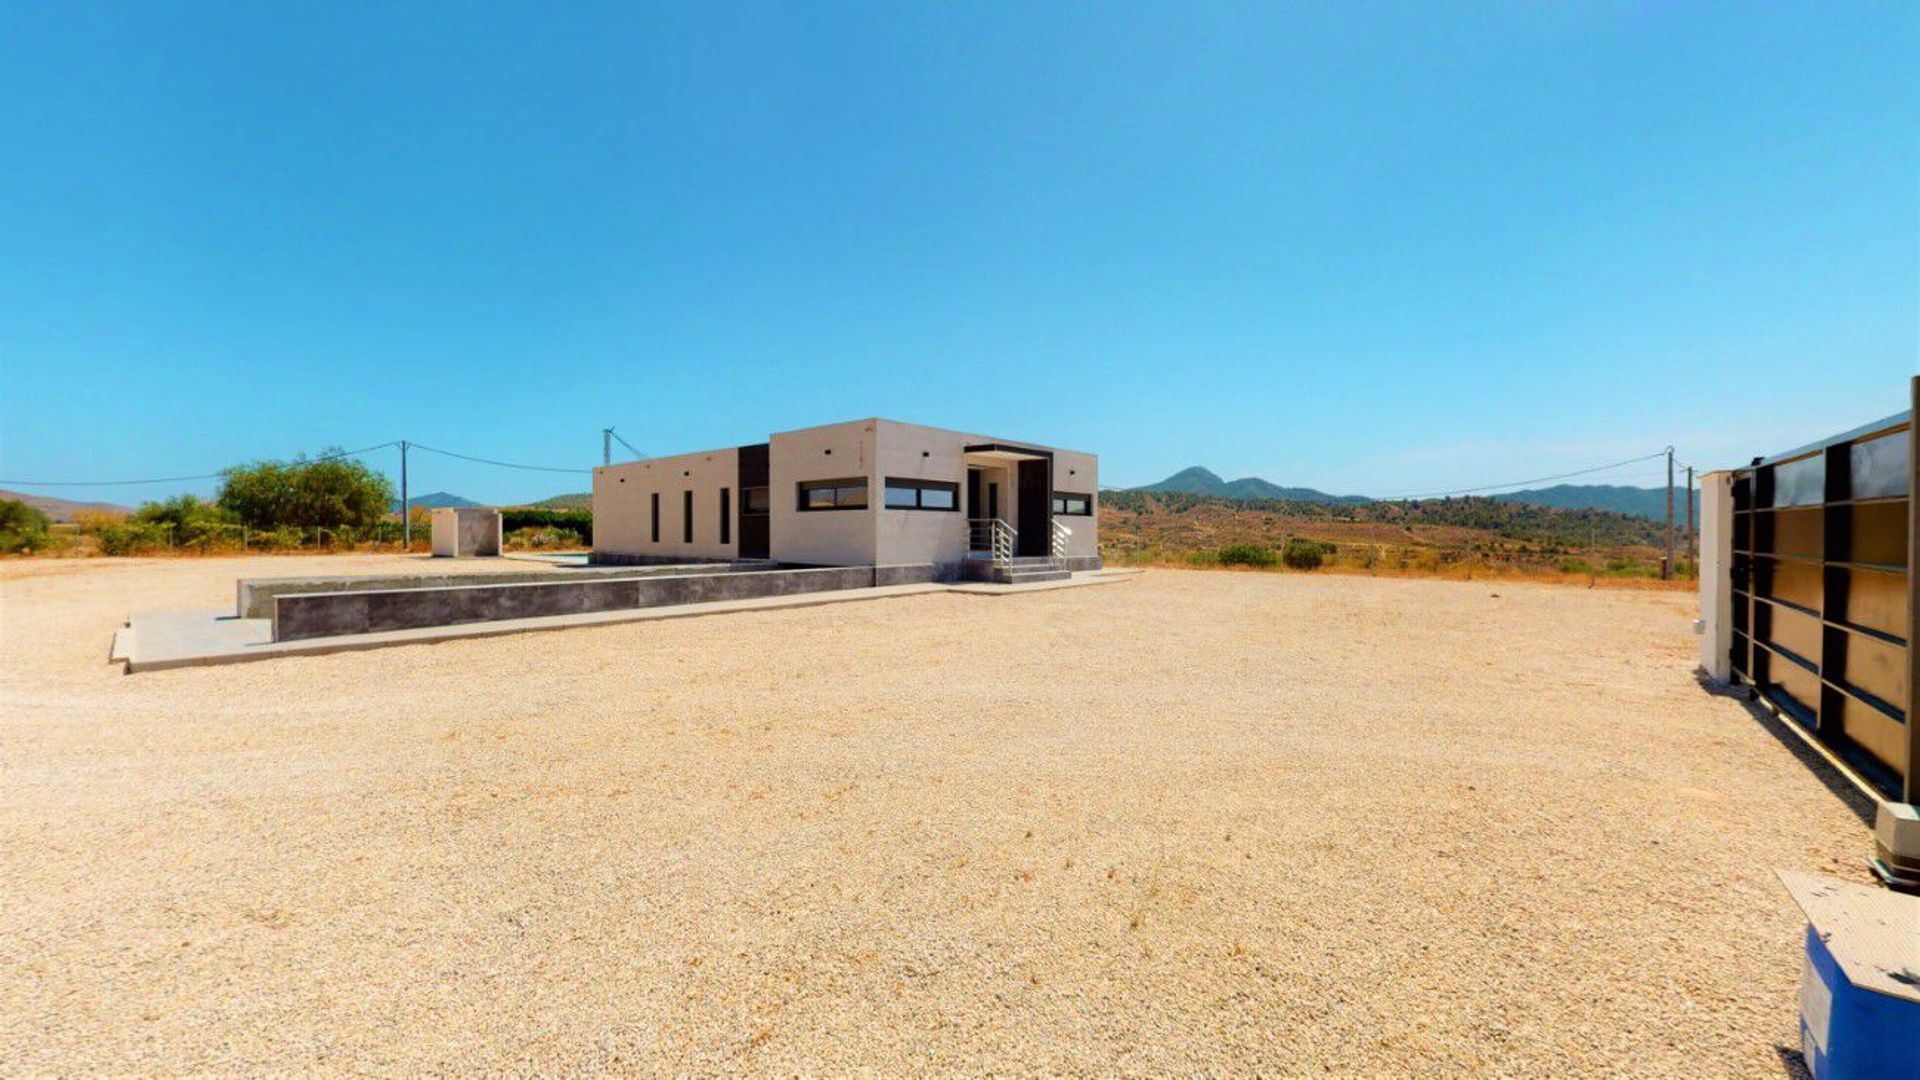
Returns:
<point x="993" y="536"/>
<point x="1061" y="535"/>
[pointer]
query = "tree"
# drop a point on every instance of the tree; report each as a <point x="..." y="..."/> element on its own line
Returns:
<point x="22" y="527"/>
<point x="306" y="492"/>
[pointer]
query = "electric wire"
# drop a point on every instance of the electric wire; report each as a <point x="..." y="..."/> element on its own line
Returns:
<point x="335" y="456"/>
<point x="1523" y="483"/>
<point x="491" y="461"/>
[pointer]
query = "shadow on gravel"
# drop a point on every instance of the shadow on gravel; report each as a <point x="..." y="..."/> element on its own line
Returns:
<point x="1821" y="768"/>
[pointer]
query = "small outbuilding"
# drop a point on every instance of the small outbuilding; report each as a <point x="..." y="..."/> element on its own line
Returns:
<point x="466" y="532"/>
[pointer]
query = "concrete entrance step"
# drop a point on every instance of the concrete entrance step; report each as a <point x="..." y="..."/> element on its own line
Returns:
<point x="1028" y="577"/>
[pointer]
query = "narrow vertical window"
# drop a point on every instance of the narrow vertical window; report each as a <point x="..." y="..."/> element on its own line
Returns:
<point x="656" y="517"/>
<point x="726" y="515"/>
<point x="686" y="516"/>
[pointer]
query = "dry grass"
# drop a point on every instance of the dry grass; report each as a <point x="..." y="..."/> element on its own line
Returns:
<point x="1194" y="822"/>
<point x="1460" y="571"/>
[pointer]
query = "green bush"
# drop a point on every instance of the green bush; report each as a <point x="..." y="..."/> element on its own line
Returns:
<point x="578" y="522"/>
<point x="537" y="538"/>
<point x="187" y="522"/>
<point x="130" y="537"/>
<point x="1246" y="555"/>
<point x="325" y="492"/>
<point x="22" y="528"/>
<point x="1303" y="555"/>
<point x="285" y="538"/>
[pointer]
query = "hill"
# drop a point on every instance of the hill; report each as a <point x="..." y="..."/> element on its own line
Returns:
<point x="581" y="500"/>
<point x="1200" y="480"/>
<point x="436" y="500"/>
<point x="1648" y="503"/>
<point x="62" y="510"/>
<point x="1146" y="525"/>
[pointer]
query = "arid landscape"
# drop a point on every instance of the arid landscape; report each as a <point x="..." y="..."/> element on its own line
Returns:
<point x="1196" y="821"/>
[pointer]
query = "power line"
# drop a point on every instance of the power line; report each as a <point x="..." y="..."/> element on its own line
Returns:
<point x="1524" y="483"/>
<point x="501" y="464"/>
<point x="637" y="452"/>
<point x="183" y="479"/>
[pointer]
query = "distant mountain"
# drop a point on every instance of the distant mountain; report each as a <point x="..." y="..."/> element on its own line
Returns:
<point x="61" y="510"/>
<point x="582" y="500"/>
<point x="1198" y="480"/>
<point x="1638" y="501"/>
<point x="437" y="500"/>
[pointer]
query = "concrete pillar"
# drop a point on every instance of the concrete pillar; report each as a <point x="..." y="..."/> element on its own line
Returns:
<point x="1716" y="583"/>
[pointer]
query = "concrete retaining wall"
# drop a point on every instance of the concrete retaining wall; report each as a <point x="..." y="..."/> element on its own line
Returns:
<point x="256" y="595"/>
<point x="330" y="614"/>
<point x="909" y="574"/>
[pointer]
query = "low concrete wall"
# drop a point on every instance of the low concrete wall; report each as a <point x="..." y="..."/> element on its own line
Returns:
<point x="909" y="574"/>
<point x="1079" y="562"/>
<point x="330" y="614"/>
<point x="615" y="558"/>
<point x="255" y="595"/>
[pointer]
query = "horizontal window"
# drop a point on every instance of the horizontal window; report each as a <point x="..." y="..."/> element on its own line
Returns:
<point x="922" y="494"/>
<point x="1072" y="505"/>
<point x="753" y="500"/>
<point x="833" y="494"/>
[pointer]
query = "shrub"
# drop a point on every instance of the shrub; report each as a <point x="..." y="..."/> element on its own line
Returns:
<point x="285" y="538"/>
<point x="129" y="537"/>
<point x="1246" y="555"/>
<point x="186" y="521"/>
<point x="1303" y="555"/>
<point x="578" y="522"/>
<point x="324" y="492"/>
<point x="543" y="538"/>
<point x="23" y="528"/>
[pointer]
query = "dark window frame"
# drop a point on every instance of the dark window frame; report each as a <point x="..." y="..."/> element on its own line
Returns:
<point x="919" y="489"/>
<point x="655" y="508"/>
<point x="686" y="517"/>
<point x="1062" y="502"/>
<point x="839" y="487"/>
<point x="726" y="515"/>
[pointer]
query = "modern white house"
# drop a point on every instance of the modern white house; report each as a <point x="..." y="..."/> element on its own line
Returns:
<point x="861" y="493"/>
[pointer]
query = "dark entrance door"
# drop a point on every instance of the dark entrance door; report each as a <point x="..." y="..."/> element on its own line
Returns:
<point x="755" y="536"/>
<point x="1036" y="508"/>
<point x="974" y="505"/>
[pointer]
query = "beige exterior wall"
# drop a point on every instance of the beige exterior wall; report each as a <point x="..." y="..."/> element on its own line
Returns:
<point x="821" y="537"/>
<point x="622" y="507"/>
<point x="1079" y="474"/>
<point x="911" y="452"/>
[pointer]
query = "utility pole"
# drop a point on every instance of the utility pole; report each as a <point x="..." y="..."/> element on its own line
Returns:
<point x="406" y="511"/>
<point x="606" y="446"/>
<point x="1693" y="539"/>
<point x="1666" y="570"/>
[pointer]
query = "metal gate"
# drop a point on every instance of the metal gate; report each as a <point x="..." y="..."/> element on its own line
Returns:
<point x="1823" y="594"/>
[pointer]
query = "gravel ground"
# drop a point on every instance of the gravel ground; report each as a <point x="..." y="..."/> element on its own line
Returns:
<point x="1194" y="821"/>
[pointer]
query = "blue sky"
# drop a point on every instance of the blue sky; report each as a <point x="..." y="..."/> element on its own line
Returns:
<point x="1362" y="247"/>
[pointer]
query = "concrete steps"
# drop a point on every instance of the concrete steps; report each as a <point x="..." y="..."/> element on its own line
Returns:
<point x="1024" y="570"/>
